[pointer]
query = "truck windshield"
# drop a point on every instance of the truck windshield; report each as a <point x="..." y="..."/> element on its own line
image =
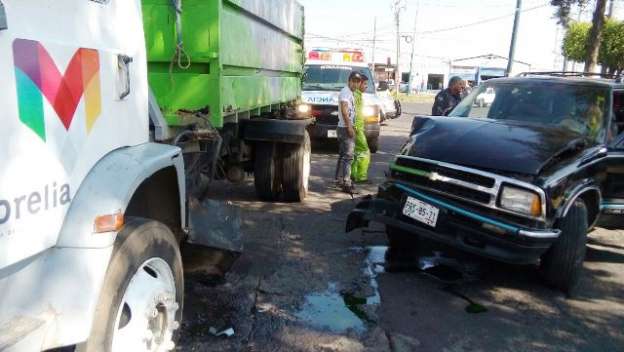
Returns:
<point x="582" y="109"/>
<point x="333" y="77"/>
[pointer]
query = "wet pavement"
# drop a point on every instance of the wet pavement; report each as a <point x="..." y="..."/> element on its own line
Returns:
<point x="302" y="284"/>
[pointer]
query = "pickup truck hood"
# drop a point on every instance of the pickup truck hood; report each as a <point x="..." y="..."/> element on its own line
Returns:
<point x="507" y="146"/>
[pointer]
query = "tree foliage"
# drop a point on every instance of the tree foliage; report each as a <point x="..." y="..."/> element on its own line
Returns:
<point x="575" y="44"/>
<point x="564" y="7"/>
<point x="575" y="41"/>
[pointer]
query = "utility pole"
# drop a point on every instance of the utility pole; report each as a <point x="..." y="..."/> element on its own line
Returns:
<point x="611" y="8"/>
<point x="374" y="43"/>
<point x="411" y="69"/>
<point x="398" y="6"/>
<point x="512" y="47"/>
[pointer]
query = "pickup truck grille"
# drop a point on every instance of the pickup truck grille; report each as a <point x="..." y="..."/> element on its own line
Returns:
<point x="325" y="114"/>
<point x="448" y="172"/>
<point x="457" y="182"/>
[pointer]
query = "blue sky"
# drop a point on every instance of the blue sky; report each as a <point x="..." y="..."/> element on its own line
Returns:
<point x="351" y="21"/>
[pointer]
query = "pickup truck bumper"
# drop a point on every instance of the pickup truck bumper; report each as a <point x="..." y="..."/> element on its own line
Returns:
<point x="456" y="226"/>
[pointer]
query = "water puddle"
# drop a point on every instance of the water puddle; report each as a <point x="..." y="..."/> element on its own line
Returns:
<point x="329" y="310"/>
<point x="342" y="311"/>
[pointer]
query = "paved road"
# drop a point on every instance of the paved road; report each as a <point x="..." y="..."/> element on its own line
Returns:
<point x="304" y="285"/>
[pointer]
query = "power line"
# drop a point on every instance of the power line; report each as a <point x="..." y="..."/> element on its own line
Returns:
<point x="487" y="20"/>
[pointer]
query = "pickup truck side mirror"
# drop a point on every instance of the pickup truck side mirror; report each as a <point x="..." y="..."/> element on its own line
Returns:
<point x="3" y="18"/>
<point x="383" y="86"/>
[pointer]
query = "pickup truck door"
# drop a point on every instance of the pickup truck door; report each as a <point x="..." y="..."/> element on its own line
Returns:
<point x="613" y="190"/>
<point x="67" y="100"/>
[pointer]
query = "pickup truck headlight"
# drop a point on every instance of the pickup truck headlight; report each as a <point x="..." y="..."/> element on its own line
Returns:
<point x="521" y="201"/>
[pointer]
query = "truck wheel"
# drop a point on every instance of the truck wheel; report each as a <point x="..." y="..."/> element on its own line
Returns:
<point x="266" y="169"/>
<point x="373" y="144"/>
<point x="561" y="266"/>
<point x="296" y="170"/>
<point x="140" y="305"/>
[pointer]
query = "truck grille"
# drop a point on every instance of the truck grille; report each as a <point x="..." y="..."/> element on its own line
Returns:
<point x="457" y="182"/>
<point x="325" y="114"/>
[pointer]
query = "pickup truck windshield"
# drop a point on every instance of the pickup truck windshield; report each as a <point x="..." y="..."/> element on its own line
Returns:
<point x="333" y="77"/>
<point x="582" y="109"/>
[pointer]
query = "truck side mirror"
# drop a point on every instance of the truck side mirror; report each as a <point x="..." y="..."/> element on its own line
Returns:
<point x="3" y="19"/>
<point x="383" y="86"/>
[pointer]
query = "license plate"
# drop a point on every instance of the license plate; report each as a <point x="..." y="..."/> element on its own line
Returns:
<point x="332" y="134"/>
<point x="421" y="211"/>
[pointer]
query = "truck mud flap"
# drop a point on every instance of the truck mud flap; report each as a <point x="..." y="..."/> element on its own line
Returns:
<point x="215" y="240"/>
<point x="272" y="130"/>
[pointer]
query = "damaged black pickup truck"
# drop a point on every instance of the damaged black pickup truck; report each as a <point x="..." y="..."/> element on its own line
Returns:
<point x="521" y="180"/>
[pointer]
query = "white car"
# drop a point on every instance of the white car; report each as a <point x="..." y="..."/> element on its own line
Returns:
<point x="390" y="108"/>
<point x="486" y="98"/>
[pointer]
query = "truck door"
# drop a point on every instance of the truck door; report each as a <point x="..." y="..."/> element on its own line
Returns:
<point x="613" y="190"/>
<point x="70" y="96"/>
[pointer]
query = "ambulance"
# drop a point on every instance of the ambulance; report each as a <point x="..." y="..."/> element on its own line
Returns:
<point x="326" y="72"/>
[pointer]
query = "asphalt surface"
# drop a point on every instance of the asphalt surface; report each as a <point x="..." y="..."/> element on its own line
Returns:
<point x="302" y="284"/>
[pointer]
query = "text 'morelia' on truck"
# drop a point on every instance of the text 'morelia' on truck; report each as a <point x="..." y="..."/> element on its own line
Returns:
<point x="326" y="72"/>
<point x="102" y="177"/>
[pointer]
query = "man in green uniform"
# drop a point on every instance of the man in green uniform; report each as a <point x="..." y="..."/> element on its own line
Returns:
<point x="361" y="156"/>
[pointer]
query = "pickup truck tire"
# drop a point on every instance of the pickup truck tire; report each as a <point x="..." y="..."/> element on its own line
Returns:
<point x="266" y="171"/>
<point x="561" y="266"/>
<point x="373" y="144"/>
<point x="295" y="170"/>
<point x="142" y="292"/>
<point x="398" y="238"/>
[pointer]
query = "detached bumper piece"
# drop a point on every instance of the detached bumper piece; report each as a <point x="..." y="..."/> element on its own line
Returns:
<point x="457" y="226"/>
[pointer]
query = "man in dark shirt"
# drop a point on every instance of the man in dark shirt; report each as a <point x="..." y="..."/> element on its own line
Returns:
<point x="448" y="98"/>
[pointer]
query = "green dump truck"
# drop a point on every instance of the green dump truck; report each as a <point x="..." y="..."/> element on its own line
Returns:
<point x="225" y="85"/>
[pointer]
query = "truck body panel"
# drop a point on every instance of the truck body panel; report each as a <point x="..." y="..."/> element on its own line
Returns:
<point x="235" y="57"/>
<point x="62" y="110"/>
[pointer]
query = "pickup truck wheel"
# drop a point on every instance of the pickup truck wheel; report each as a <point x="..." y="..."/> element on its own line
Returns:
<point x="399" y="109"/>
<point x="373" y="144"/>
<point x="296" y="170"/>
<point x="140" y="305"/>
<point x="400" y="239"/>
<point x="266" y="169"/>
<point x="561" y="266"/>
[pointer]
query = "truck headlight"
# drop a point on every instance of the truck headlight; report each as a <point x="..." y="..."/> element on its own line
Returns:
<point x="304" y="108"/>
<point x="521" y="201"/>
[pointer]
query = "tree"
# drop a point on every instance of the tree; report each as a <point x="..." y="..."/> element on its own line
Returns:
<point x="564" y="8"/>
<point x="611" y="51"/>
<point x="575" y="41"/>
<point x="612" y="48"/>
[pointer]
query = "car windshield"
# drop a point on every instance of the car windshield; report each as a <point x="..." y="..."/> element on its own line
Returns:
<point x="582" y="109"/>
<point x="333" y="77"/>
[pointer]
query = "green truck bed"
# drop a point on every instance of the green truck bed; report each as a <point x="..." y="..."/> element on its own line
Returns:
<point x="243" y="56"/>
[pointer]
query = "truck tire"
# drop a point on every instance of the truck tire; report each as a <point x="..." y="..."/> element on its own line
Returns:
<point x="140" y="303"/>
<point x="295" y="170"/>
<point x="561" y="266"/>
<point x="373" y="144"/>
<point x="266" y="171"/>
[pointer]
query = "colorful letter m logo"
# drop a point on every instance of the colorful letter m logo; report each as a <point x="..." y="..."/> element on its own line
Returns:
<point x="37" y="76"/>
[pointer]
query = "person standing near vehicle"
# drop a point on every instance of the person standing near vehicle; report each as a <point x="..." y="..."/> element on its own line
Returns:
<point x="346" y="132"/>
<point x="361" y="156"/>
<point x="448" y="98"/>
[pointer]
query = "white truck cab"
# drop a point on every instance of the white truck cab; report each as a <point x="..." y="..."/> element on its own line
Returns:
<point x="85" y="243"/>
<point x="326" y="73"/>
